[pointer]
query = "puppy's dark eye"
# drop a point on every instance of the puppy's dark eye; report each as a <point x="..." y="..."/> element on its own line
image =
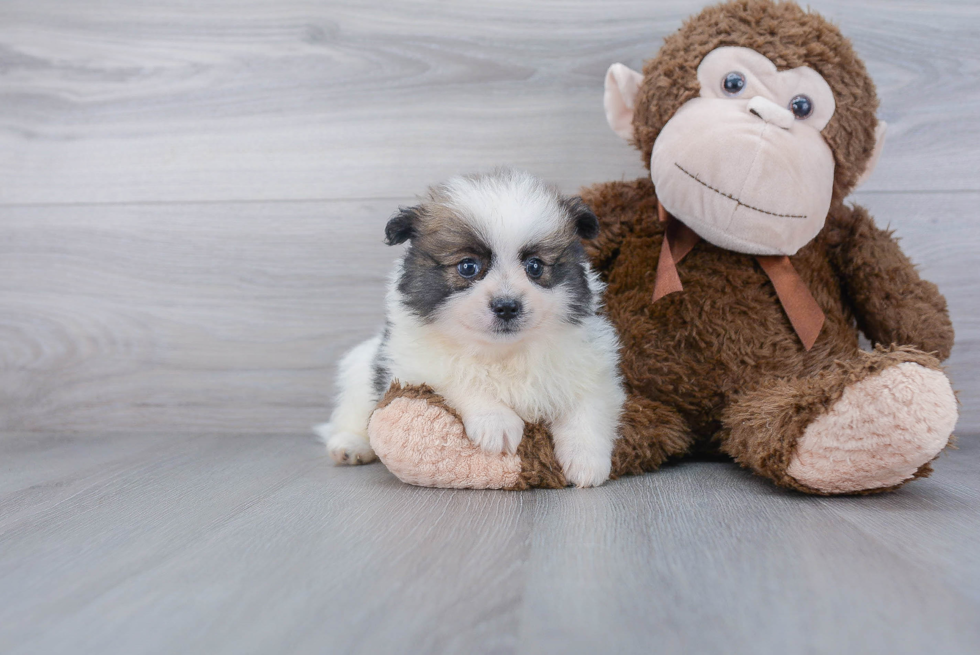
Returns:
<point x="801" y="106"/>
<point x="468" y="268"/>
<point x="534" y="267"/>
<point x="733" y="83"/>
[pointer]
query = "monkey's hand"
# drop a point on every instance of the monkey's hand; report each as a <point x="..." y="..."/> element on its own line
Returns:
<point x="891" y="303"/>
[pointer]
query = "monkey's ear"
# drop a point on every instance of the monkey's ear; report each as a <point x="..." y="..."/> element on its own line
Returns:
<point x="873" y="161"/>
<point x="622" y="85"/>
<point x="402" y="226"/>
<point x="586" y="223"/>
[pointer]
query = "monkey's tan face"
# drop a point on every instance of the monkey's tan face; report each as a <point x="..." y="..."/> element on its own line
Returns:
<point x="744" y="165"/>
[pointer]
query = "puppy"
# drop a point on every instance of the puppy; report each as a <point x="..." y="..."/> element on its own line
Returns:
<point x="494" y="306"/>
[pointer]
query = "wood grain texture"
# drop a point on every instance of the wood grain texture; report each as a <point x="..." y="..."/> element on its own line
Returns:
<point x="192" y="198"/>
<point x="221" y="316"/>
<point x="230" y="317"/>
<point x="122" y="101"/>
<point x="199" y="543"/>
<point x="220" y="303"/>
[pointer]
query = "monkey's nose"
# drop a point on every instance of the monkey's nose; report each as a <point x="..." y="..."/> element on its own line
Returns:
<point x="506" y="308"/>
<point x="770" y="112"/>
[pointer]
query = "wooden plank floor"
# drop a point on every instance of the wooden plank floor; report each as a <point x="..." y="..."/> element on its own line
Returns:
<point x="204" y="543"/>
<point x="191" y="203"/>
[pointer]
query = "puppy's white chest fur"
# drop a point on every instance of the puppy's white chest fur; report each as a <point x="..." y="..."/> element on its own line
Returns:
<point x="540" y="379"/>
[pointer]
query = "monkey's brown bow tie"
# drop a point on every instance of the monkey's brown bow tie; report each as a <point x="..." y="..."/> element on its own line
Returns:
<point x="803" y="311"/>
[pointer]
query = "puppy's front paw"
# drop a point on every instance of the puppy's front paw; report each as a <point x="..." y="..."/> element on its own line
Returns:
<point x="585" y="457"/>
<point x="347" y="448"/>
<point x="587" y="471"/>
<point x="495" y="431"/>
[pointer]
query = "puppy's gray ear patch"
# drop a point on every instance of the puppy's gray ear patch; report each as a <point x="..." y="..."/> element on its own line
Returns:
<point x="402" y="226"/>
<point x="586" y="223"/>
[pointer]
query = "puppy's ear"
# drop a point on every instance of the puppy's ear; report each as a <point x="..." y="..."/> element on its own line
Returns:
<point x="586" y="223"/>
<point x="402" y="226"/>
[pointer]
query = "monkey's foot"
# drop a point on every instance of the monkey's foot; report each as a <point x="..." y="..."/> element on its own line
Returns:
<point x="422" y="442"/>
<point x="879" y="434"/>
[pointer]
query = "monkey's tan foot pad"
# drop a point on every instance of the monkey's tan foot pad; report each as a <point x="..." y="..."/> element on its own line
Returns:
<point x="423" y="443"/>
<point x="879" y="434"/>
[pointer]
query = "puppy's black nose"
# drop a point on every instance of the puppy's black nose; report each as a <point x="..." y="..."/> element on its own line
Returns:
<point x="505" y="308"/>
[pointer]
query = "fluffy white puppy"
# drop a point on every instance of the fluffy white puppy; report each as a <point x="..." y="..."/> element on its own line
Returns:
<point x="494" y="306"/>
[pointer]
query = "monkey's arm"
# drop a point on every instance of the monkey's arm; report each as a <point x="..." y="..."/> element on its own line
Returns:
<point x="891" y="302"/>
<point x="620" y="208"/>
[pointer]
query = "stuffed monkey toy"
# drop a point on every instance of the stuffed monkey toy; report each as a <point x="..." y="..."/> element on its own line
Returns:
<point x="738" y="279"/>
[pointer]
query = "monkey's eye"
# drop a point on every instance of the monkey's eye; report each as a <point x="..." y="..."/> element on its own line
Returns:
<point x="534" y="267"/>
<point x="468" y="268"/>
<point x="801" y="106"/>
<point x="733" y="84"/>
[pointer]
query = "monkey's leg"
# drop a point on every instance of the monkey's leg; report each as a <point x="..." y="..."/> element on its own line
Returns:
<point x="421" y="440"/>
<point x="650" y="434"/>
<point x="864" y="425"/>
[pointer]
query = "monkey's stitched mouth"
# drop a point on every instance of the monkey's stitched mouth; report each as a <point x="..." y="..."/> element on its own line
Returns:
<point x="731" y="197"/>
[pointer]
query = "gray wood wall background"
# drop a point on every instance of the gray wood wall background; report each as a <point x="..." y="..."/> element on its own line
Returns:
<point x="192" y="195"/>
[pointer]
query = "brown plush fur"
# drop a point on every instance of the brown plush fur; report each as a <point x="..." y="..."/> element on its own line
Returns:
<point x="422" y="391"/>
<point x="718" y="367"/>
<point x="761" y="426"/>
<point x="716" y="351"/>
<point x="789" y="37"/>
<point x="651" y="433"/>
<point x="722" y="353"/>
<point x="539" y="466"/>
